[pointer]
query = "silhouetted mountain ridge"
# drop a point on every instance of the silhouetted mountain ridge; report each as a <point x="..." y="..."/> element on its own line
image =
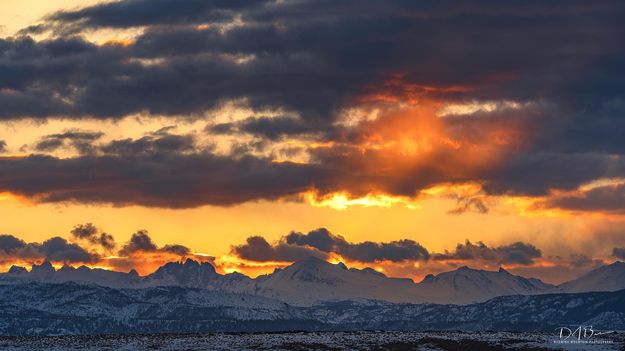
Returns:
<point x="313" y="280"/>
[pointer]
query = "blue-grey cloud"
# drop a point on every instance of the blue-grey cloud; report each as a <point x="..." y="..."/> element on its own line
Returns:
<point x="54" y="249"/>
<point x="607" y="198"/>
<point x="142" y="242"/>
<point x="82" y="141"/>
<point x="314" y="59"/>
<point x="321" y="243"/>
<point x="515" y="253"/>
<point x="92" y="234"/>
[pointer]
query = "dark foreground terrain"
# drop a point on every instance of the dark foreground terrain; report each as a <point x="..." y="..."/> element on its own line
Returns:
<point x="489" y="341"/>
<point x="38" y="309"/>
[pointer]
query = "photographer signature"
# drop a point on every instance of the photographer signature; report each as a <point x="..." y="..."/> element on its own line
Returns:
<point x="579" y="333"/>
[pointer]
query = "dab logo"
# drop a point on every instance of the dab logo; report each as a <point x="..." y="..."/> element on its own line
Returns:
<point x="579" y="334"/>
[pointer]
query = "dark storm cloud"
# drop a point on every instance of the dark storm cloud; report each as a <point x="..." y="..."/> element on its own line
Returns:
<point x="271" y="128"/>
<point x="139" y="241"/>
<point x="155" y="180"/>
<point x="112" y="82"/>
<point x="54" y="249"/>
<point x="537" y="173"/>
<point x="58" y="249"/>
<point x="312" y="59"/>
<point x="9" y="243"/>
<point x="152" y="144"/>
<point x="94" y="235"/>
<point x="176" y="249"/>
<point x="367" y="251"/>
<point x="82" y="141"/>
<point x="256" y="248"/>
<point x="516" y="253"/>
<point x="619" y="252"/>
<point x="579" y="260"/>
<point x="320" y="242"/>
<point x="142" y="242"/>
<point x="610" y="198"/>
<point x="133" y="13"/>
<point x="158" y="172"/>
<point x="316" y="56"/>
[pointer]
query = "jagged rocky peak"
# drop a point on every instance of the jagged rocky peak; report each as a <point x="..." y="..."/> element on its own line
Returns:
<point x="188" y="273"/>
<point x="17" y="270"/>
<point x="502" y="270"/>
<point x="67" y="268"/>
<point x="133" y="273"/>
<point x="191" y="263"/>
<point x="44" y="268"/>
<point x="187" y="265"/>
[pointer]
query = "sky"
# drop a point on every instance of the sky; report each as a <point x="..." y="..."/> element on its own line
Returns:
<point x="413" y="137"/>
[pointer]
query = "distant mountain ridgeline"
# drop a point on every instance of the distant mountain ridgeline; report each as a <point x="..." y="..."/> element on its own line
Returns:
<point x="311" y="281"/>
<point x="308" y="295"/>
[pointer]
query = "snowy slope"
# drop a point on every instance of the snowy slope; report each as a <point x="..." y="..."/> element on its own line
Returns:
<point x="311" y="280"/>
<point x="70" y="308"/>
<point x="34" y="308"/>
<point x="605" y="278"/>
<point x="305" y="282"/>
<point x="466" y="285"/>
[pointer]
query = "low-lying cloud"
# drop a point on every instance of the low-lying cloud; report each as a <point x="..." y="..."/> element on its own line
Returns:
<point x="94" y="235"/>
<point x="142" y="242"/>
<point x="54" y="249"/>
<point x="321" y="243"/>
<point x="516" y="253"/>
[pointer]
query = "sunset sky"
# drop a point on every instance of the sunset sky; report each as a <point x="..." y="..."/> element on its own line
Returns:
<point x="409" y="136"/>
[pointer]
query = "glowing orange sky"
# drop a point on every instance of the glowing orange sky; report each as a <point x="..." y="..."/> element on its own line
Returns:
<point x="408" y="137"/>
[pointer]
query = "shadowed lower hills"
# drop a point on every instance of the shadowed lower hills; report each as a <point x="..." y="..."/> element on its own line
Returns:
<point x="34" y="308"/>
<point x="312" y="280"/>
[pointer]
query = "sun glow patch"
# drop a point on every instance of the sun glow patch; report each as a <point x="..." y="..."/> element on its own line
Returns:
<point x="343" y="200"/>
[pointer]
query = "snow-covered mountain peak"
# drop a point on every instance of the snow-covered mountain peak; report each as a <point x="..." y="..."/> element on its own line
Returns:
<point x="45" y="268"/>
<point x="605" y="278"/>
<point x="313" y="280"/>
<point x="467" y="285"/>
<point x="314" y="270"/>
<point x="190" y="273"/>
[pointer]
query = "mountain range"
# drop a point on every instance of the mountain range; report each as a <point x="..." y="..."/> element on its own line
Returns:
<point x="311" y="281"/>
<point x="308" y="295"/>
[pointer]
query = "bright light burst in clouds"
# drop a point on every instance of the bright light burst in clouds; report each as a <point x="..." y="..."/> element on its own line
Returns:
<point x="465" y="130"/>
